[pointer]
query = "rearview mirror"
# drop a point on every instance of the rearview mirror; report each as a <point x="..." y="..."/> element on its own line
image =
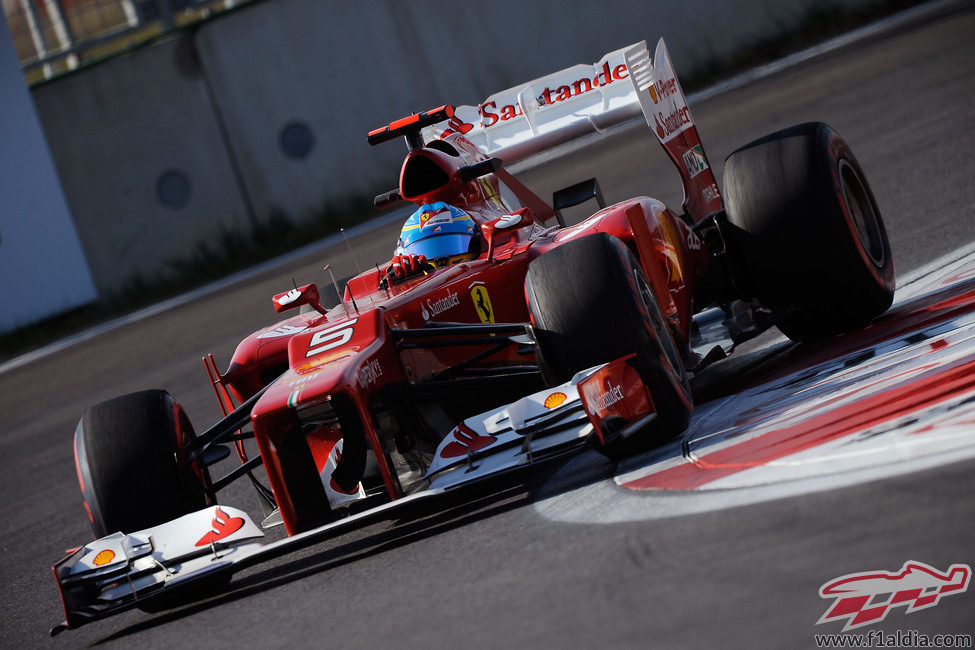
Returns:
<point x="517" y="219"/>
<point x="386" y="199"/>
<point x="306" y="295"/>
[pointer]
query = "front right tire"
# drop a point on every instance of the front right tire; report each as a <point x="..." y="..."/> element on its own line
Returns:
<point x="590" y="303"/>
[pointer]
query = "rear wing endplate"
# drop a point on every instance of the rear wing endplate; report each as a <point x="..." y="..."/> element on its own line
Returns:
<point x="665" y="108"/>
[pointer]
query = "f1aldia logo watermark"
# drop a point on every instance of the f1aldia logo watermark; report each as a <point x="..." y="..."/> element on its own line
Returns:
<point x="866" y="598"/>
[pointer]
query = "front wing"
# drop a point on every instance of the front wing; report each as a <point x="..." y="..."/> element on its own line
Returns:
<point x="205" y="548"/>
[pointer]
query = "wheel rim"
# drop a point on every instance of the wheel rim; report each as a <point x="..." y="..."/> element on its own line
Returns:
<point x="862" y="213"/>
<point x="650" y="305"/>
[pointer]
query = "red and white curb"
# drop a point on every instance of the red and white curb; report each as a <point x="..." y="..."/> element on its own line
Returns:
<point x="896" y="397"/>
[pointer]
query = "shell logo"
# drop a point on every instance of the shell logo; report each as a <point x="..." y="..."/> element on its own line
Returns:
<point x="554" y="400"/>
<point x="104" y="557"/>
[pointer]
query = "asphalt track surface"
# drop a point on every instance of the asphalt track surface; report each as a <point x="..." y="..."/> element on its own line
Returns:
<point x="499" y="571"/>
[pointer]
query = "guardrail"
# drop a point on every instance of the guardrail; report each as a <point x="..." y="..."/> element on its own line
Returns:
<point x="56" y="36"/>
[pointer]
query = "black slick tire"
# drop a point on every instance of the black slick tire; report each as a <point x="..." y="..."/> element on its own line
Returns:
<point x="126" y="454"/>
<point x="805" y="232"/>
<point x="591" y="303"/>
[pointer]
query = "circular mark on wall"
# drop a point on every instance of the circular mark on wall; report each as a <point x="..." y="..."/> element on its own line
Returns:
<point x="173" y="188"/>
<point x="296" y="140"/>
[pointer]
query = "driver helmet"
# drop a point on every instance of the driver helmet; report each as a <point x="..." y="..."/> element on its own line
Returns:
<point x="441" y="232"/>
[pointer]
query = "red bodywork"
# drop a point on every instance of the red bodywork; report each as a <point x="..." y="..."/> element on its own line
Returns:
<point x="338" y="366"/>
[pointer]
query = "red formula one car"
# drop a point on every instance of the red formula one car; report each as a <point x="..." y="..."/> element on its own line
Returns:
<point x="528" y="340"/>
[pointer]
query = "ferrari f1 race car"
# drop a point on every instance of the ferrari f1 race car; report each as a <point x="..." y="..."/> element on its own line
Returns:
<point x="533" y="340"/>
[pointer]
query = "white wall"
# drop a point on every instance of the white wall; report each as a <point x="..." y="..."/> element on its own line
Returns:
<point x="42" y="268"/>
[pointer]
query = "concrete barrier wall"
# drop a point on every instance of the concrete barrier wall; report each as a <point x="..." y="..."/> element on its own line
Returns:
<point x="266" y="109"/>
<point x="128" y="136"/>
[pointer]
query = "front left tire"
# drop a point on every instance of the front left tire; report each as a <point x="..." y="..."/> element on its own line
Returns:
<point x="126" y="453"/>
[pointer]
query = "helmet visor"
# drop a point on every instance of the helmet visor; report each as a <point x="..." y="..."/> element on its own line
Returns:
<point x="440" y="245"/>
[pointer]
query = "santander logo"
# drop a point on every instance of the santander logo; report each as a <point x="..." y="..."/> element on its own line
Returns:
<point x="559" y="89"/>
<point x="431" y="308"/>
<point x="222" y="526"/>
<point x="465" y="441"/>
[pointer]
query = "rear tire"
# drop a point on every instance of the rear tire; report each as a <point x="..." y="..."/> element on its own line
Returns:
<point x="806" y="233"/>
<point x="126" y="453"/>
<point x="591" y="303"/>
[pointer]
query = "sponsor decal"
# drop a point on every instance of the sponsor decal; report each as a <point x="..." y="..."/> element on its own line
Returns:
<point x="482" y="303"/>
<point x="431" y="308"/>
<point x="554" y="400"/>
<point x="866" y="598"/>
<point x="612" y="395"/>
<point x="668" y="114"/>
<point x="284" y="330"/>
<point x="711" y="193"/>
<point x="223" y="525"/>
<point x="508" y="221"/>
<point x="660" y="89"/>
<point x="673" y="239"/>
<point x="104" y="557"/>
<point x="491" y="193"/>
<point x="492" y="114"/>
<point x="435" y="218"/>
<point x="695" y="161"/>
<point x="370" y="372"/>
<point x="465" y="441"/>
<point x="677" y="120"/>
<point x="457" y="125"/>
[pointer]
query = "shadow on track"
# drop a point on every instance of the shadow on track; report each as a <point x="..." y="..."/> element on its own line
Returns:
<point x="435" y="518"/>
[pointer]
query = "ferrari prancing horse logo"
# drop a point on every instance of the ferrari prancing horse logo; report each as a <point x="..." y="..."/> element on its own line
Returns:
<point x="482" y="303"/>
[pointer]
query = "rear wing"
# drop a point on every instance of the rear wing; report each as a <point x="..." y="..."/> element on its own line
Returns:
<point x="530" y="118"/>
